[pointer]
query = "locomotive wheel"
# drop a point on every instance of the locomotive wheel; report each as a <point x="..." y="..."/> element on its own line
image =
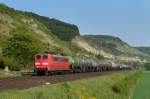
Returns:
<point x="100" y="69"/>
<point x="46" y="72"/>
<point x="77" y="71"/>
<point x="83" y="70"/>
<point x="96" y="69"/>
<point x="67" y="71"/>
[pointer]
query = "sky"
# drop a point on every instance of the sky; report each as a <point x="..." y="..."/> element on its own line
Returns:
<point x="127" y="19"/>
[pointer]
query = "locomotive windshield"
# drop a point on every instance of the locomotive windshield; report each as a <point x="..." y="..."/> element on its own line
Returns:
<point x="45" y="57"/>
<point x="38" y="57"/>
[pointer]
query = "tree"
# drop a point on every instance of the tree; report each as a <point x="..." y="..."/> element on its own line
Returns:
<point x="22" y="46"/>
<point x="8" y="61"/>
<point x="1" y="62"/>
<point x="147" y="66"/>
<point x="62" y="30"/>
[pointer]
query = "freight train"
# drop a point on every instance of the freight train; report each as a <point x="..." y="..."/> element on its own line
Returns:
<point x="49" y="63"/>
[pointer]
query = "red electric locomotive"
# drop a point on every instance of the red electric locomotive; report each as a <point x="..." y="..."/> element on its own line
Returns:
<point x="44" y="63"/>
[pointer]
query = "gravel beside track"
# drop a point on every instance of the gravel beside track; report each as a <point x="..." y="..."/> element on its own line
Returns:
<point x="32" y="81"/>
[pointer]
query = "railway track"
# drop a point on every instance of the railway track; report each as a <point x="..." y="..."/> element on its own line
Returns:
<point x="32" y="81"/>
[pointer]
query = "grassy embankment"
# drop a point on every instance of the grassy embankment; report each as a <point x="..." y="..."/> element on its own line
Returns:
<point x="115" y="86"/>
<point x="142" y="91"/>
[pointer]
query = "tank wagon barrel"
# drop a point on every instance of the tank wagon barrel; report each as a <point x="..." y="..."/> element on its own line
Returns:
<point x="82" y="65"/>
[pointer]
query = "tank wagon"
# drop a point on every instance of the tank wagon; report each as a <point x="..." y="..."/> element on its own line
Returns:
<point x="105" y="65"/>
<point x="83" y="65"/>
<point x="115" y="66"/>
<point x="48" y="63"/>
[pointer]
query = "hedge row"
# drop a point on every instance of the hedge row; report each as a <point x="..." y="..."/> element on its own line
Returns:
<point x="124" y="86"/>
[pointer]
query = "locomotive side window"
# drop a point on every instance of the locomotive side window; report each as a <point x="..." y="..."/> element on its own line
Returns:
<point x="59" y="59"/>
<point x="55" y="58"/>
<point x="66" y="59"/>
<point x="45" y="57"/>
<point x="38" y="57"/>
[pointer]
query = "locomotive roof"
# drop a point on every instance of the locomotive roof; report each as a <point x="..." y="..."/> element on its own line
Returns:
<point x="51" y="54"/>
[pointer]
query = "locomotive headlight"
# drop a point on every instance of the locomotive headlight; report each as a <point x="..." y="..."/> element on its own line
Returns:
<point x="44" y="63"/>
<point x="37" y="63"/>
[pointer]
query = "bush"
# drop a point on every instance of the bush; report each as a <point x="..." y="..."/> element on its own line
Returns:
<point x="124" y="86"/>
<point x="8" y="61"/>
<point x="147" y="66"/>
<point x="15" y="67"/>
<point x="1" y="63"/>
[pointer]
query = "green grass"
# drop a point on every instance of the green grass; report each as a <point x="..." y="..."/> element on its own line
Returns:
<point x="92" y="88"/>
<point x="142" y="91"/>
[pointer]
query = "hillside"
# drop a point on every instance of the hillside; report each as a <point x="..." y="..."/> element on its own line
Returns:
<point x="112" y="45"/>
<point x="109" y="47"/>
<point x="64" y="31"/>
<point x="145" y="50"/>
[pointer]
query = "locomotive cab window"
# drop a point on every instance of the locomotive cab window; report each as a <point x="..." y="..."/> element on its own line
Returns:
<point x="45" y="57"/>
<point x="38" y="57"/>
<point x="66" y="59"/>
<point x="61" y="59"/>
<point x="58" y="58"/>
